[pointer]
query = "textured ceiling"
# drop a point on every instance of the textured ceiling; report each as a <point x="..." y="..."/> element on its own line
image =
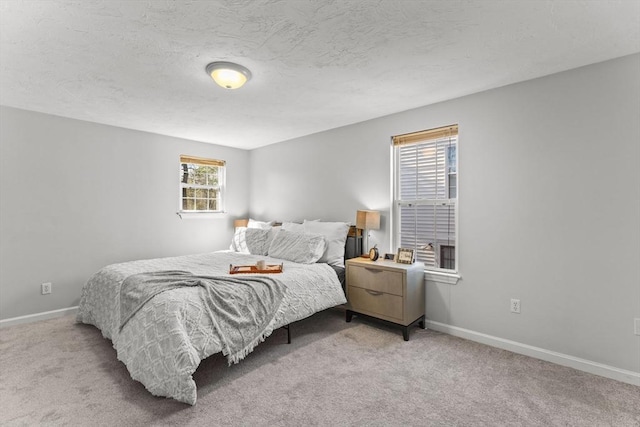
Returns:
<point x="316" y="64"/>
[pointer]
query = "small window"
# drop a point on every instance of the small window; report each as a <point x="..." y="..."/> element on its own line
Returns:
<point x="201" y="184"/>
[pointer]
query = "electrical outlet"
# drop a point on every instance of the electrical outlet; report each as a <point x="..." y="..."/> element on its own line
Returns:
<point x="515" y="305"/>
<point x="46" y="288"/>
<point x="636" y="324"/>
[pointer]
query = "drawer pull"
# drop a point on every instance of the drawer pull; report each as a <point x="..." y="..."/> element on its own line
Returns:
<point x="374" y="293"/>
<point x="373" y="270"/>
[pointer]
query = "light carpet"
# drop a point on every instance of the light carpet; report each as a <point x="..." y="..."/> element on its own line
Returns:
<point x="57" y="372"/>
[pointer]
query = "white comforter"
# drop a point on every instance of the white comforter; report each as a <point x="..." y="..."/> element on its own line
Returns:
<point x="164" y="342"/>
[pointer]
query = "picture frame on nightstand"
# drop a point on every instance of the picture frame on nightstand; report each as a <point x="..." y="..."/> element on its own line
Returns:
<point x="405" y="256"/>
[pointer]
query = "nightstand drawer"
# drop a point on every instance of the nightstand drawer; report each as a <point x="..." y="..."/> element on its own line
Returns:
<point x="375" y="302"/>
<point x="376" y="279"/>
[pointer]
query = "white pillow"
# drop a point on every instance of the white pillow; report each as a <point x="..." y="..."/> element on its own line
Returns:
<point x="259" y="224"/>
<point x="335" y="234"/>
<point x="253" y="241"/>
<point x="303" y="248"/>
<point x="293" y="226"/>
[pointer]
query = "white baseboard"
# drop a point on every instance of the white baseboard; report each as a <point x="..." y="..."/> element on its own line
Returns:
<point x="38" y="316"/>
<point x="595" y="368"/>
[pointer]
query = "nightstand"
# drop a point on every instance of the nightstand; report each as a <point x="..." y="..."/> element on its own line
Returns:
<point x="387" y="291"/>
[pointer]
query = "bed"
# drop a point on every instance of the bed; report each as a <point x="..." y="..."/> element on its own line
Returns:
<point x="163" y="340"/>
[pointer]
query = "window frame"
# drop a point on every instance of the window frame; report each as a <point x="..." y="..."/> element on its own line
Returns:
<point x="450" y="276"/>
<point x="221" y="187"/>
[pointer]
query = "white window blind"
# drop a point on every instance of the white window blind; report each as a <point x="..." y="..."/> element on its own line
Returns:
<point x="425" y="195"/>
<point x="201" y="184"/>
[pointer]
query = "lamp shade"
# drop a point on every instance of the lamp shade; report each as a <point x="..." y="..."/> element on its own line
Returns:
<point x="228" y="75"/>
<point x="240" y="223"/>
<point x="369" y="220"/>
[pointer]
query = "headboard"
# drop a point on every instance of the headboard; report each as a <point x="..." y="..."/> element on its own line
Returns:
<point x="353" y="246"/>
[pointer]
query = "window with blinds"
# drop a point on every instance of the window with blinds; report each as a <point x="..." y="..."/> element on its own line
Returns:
<point x="201" y="184"/>
<point x="425" y="195"/>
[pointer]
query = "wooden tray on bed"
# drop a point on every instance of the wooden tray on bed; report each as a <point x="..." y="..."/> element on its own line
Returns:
<point x="243" y="269"/>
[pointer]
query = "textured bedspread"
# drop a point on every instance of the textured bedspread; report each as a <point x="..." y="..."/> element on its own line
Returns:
<point x="242" y="309"/>
<point x="163" y="343"/>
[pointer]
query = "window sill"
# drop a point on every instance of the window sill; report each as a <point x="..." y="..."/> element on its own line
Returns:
<point x="201" y="215"/>
<point x="442" y="277"/>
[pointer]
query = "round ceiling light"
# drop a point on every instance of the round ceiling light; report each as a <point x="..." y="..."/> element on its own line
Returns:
<point x="228" y="75"/>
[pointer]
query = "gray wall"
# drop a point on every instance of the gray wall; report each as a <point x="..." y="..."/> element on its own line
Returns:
<point x="549" y="204"/>
<point x="549" y="196"/>
<point x="76" y="196"/>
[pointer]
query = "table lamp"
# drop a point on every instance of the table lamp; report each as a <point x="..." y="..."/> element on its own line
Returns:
<point x="368" y="220"/>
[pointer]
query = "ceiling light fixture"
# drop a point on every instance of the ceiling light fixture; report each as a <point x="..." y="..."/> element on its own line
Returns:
<point x="228" y="75"/>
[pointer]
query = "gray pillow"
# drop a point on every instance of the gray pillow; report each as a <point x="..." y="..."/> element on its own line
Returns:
<point x="304" y="248"/>
<point x="253" y="241"/>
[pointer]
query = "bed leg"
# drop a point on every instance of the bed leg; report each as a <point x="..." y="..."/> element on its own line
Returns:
<point x="289" y="334"/>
